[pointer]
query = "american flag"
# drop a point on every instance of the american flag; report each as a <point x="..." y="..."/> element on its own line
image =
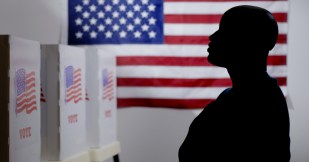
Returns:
<point x="25" y="91"/>
<point x="108" y="84"/>
<point x="161" y="47"/>
<point x="73" y="84"/>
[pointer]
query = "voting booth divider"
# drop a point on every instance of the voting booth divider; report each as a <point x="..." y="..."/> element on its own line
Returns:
<point x="65" y="83"/>
<point x="46" y="113"/>
<point x="101" y="115"/>
<point x="20" y="99"/>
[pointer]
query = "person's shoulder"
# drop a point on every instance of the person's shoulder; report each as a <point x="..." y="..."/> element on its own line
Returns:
<point x="225" y="93"/>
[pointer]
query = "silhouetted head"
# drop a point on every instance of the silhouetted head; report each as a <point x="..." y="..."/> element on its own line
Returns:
<point x="246" y="34"/>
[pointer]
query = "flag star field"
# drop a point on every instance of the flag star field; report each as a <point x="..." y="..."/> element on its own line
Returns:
<point x="116" y="22"/>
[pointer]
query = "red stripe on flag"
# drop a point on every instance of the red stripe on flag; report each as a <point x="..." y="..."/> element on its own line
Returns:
<point x="282" y="38"/>
<point x="21" y="97"/>
<point x="280" y="17"/>
<point x="168" y="103"/>
<point x="276" y="60"/>
<point x="69" y="99"/>
<point x="181" y="61"/>
<point x="31" y="107"/>
<point x="161" y="60"/>
<point x="76" y="100"/>
<point x="21" y="109"/>
<point x="163" y="82"/>
<point x="192" y="18"/>
<point x="282" y="81"/>
<point x="32" y="85"/>
<point x="29" y="111"/>
<point x="31" y="74"/>
<point x="211" y="18"/>
<point x="26" y="100"/>
<point x="186" y="39"/>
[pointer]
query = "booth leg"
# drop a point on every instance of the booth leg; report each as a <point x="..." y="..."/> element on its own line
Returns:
<point x="116" y="158"/>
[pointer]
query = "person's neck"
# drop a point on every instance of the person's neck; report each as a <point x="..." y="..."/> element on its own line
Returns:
<point x="244" y="78"/>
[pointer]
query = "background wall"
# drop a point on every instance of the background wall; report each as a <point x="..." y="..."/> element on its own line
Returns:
<point x="154" y="135"/>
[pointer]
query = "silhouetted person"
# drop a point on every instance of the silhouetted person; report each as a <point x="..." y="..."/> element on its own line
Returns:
<point x="248" y="122"/>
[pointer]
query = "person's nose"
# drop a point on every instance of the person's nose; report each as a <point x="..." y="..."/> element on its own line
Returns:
<point x="214" y="36"/>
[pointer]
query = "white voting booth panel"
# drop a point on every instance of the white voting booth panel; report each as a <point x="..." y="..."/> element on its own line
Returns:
<point x="24" y="98"/>
<point x="65" y="104"/>
<point x="101" y="104"/>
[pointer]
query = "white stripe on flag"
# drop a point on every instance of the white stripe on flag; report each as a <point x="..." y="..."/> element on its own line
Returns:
<point x="173" y="93"/>
<point x="202" y="29"/>
<point x="185" y="72"/>
<point x="171" y="50"/>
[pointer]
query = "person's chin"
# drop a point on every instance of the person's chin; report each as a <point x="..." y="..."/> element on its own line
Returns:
<point x="215" y="61"/>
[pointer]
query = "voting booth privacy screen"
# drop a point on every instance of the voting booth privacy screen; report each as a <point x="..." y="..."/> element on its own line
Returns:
<point x="100" y="98"/>
<point x="66" y="108"/>
<point x="20" y="99"/>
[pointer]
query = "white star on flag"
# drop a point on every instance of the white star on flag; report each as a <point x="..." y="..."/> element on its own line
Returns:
<point x="116" y="27"/>
<point x="100" y="14"/>
<point x="122" y="20"/>
<point x="137" y="7"/>
<point x="86" y="2"/>
<point x="145" y="2"/>
<point x="101" y="27"/>
<point x="151" y="7"/>
<point x="78" y="21"/>
<point x="108" y="8"/>
<point x="115" y="14"/>
<point x="100" y="2"/>
<point x="144" y="14"/>
<point x="137" y="21"/>
<point x="115" y="2"/>
<point x="86" y="28"/>
<point x="93" y="8"/>
<point x="145" y="27"/>
<point x="78" y="8"/>
<point x="152" y="21"/>
<point x="93" y="21"/>
<point x="79" y="35"/>
<point x="108" y="21"/>
<point x="122" y="7"/>
<point x="93" y="34"/>
<point x="152" y="34"/>
<point x="130" y="2"/>
<point x="130" y="27"/>
<point x="130" y="14"/>
<point x="86" y="14"/>
<point x="122" y="34"/>
<point x="108" y="34"/>
<point x="137" y="34"/>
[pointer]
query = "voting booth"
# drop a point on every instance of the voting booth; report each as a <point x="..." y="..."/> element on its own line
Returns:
<point x="101" y="104"/>
<point x="58" y="103"/>
<point x="20" y="99"/>
<point x="65" y="84"/>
